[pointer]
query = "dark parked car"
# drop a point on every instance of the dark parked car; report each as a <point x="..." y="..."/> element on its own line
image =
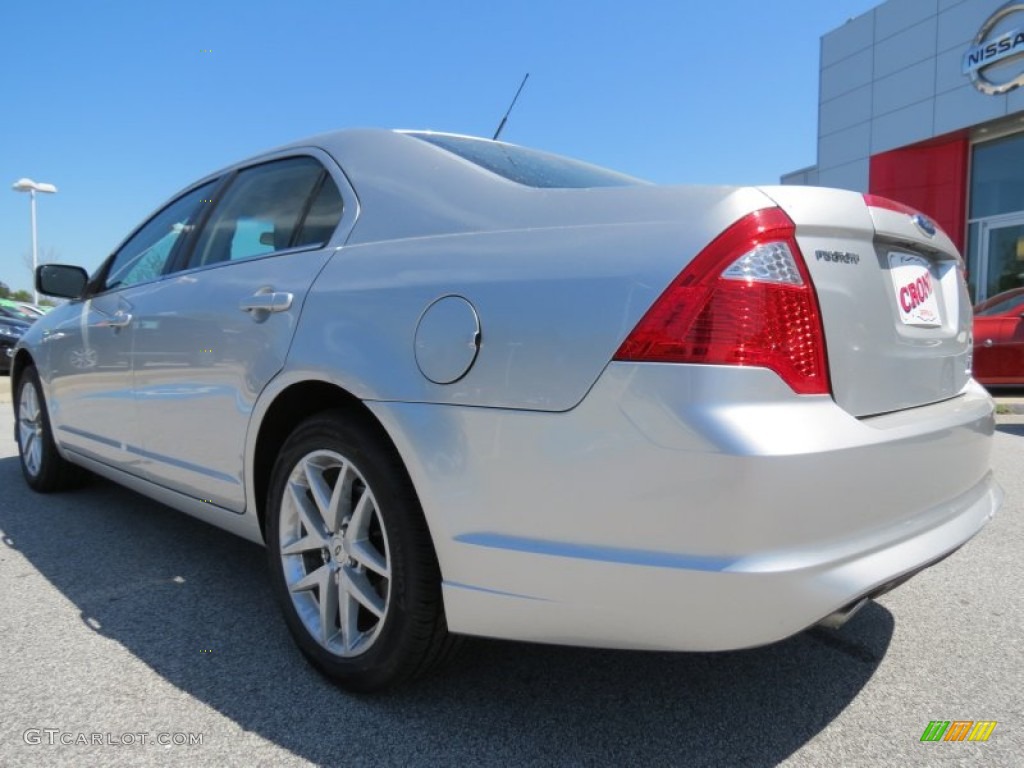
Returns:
<point x="10" y="331"/>
<point x="999" y="339"/>
<point x="13" y="313"/>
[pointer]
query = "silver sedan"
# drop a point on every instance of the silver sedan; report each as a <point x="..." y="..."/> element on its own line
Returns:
<point x="459" y="387"/>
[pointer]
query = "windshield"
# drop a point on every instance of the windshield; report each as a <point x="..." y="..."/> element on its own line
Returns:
<point x="528" y="166"/>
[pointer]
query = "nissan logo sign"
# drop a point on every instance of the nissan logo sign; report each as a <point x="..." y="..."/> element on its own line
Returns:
<point x="991" y="48"/>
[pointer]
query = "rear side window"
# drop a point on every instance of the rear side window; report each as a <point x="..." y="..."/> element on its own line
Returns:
<point x="323" y="216"/>
<point x="261" y="211"/>
<point x="528" y="166"/>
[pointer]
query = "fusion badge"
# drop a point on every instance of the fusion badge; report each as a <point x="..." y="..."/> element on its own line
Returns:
<point x="839" y="257"/>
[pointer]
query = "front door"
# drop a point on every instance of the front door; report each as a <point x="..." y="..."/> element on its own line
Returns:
<point x="88" y="359"/>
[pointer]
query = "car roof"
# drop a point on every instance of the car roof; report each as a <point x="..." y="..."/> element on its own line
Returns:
<point x="407" y="187"/>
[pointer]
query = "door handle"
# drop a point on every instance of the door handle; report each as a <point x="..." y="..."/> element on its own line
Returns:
<point x="265" y="301"/>
<point x="119" y="319"/>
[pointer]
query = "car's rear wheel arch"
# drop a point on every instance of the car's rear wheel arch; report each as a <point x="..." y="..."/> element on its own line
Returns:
<point x="290" y="408"/>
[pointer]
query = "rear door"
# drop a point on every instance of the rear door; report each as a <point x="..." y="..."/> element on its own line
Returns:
<point x="210" y="338"/>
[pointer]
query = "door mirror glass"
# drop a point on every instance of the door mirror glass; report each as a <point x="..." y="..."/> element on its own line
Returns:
<point x="63" y="280"/>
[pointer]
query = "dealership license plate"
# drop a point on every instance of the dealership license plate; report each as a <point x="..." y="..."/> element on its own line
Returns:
<point x="915" y="285"/>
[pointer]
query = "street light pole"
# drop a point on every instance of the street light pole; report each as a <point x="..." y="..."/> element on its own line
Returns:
<point x="35" y="248"/>
<point x="27" y="185"/>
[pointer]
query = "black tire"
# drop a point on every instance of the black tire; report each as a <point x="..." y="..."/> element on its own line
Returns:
<point x="377" y="553"/>
<point x="45" y="470"/>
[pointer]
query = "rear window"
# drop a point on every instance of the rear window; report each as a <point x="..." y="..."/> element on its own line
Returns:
<point x="528" y="166"/>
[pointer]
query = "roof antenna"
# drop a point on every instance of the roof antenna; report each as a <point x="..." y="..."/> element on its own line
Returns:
<point x="501" y="125"/>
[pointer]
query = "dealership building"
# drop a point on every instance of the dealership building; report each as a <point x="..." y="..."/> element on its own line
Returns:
<point x="922" y="101"/>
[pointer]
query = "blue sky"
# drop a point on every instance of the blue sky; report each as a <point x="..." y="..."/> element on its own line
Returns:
<point x="120" y="104"/>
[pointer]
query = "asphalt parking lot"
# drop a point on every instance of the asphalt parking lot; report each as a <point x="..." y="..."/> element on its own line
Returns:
<point x="125" y="623"/>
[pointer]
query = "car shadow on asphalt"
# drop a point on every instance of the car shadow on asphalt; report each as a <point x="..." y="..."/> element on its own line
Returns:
<point x="1011" y="429"/>
<point x="194" y="604"/>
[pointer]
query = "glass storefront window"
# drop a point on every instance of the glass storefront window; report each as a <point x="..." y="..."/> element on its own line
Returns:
<point x="997" y="177"/>
<point x="1006" y="258"/>
<point x="995" y="234"/>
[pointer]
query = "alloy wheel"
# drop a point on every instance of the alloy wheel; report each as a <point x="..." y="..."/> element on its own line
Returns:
<point x="335" y="555"/>
<point x="30" y="429"/>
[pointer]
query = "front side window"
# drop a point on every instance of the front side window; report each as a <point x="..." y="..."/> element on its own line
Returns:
<point x="259" y="213"/>
<point x="148" y="252"/>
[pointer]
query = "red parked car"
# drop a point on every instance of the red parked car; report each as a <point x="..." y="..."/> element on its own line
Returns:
<point x="999" y="339"/>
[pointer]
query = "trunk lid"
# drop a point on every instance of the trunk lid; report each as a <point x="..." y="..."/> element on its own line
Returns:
<point x="894" y="305"/>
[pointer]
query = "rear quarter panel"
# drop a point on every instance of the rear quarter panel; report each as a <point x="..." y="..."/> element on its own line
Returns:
<point x="554" y="302"/>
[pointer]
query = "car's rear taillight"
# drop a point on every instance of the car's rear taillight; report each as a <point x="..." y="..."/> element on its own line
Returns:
<point x="746" y="299"/>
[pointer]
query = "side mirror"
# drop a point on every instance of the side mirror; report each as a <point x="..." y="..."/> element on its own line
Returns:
<point x="62" y="280"/>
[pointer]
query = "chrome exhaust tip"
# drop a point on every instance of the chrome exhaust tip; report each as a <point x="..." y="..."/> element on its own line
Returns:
<point x="838" y="618"/>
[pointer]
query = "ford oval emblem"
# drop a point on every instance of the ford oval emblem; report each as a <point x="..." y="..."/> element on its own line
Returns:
<point x="925" y="224"/>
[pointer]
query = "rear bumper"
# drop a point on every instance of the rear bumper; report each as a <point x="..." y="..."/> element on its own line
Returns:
<point x="670" y="607"/>
<point x="688" y="507"/>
